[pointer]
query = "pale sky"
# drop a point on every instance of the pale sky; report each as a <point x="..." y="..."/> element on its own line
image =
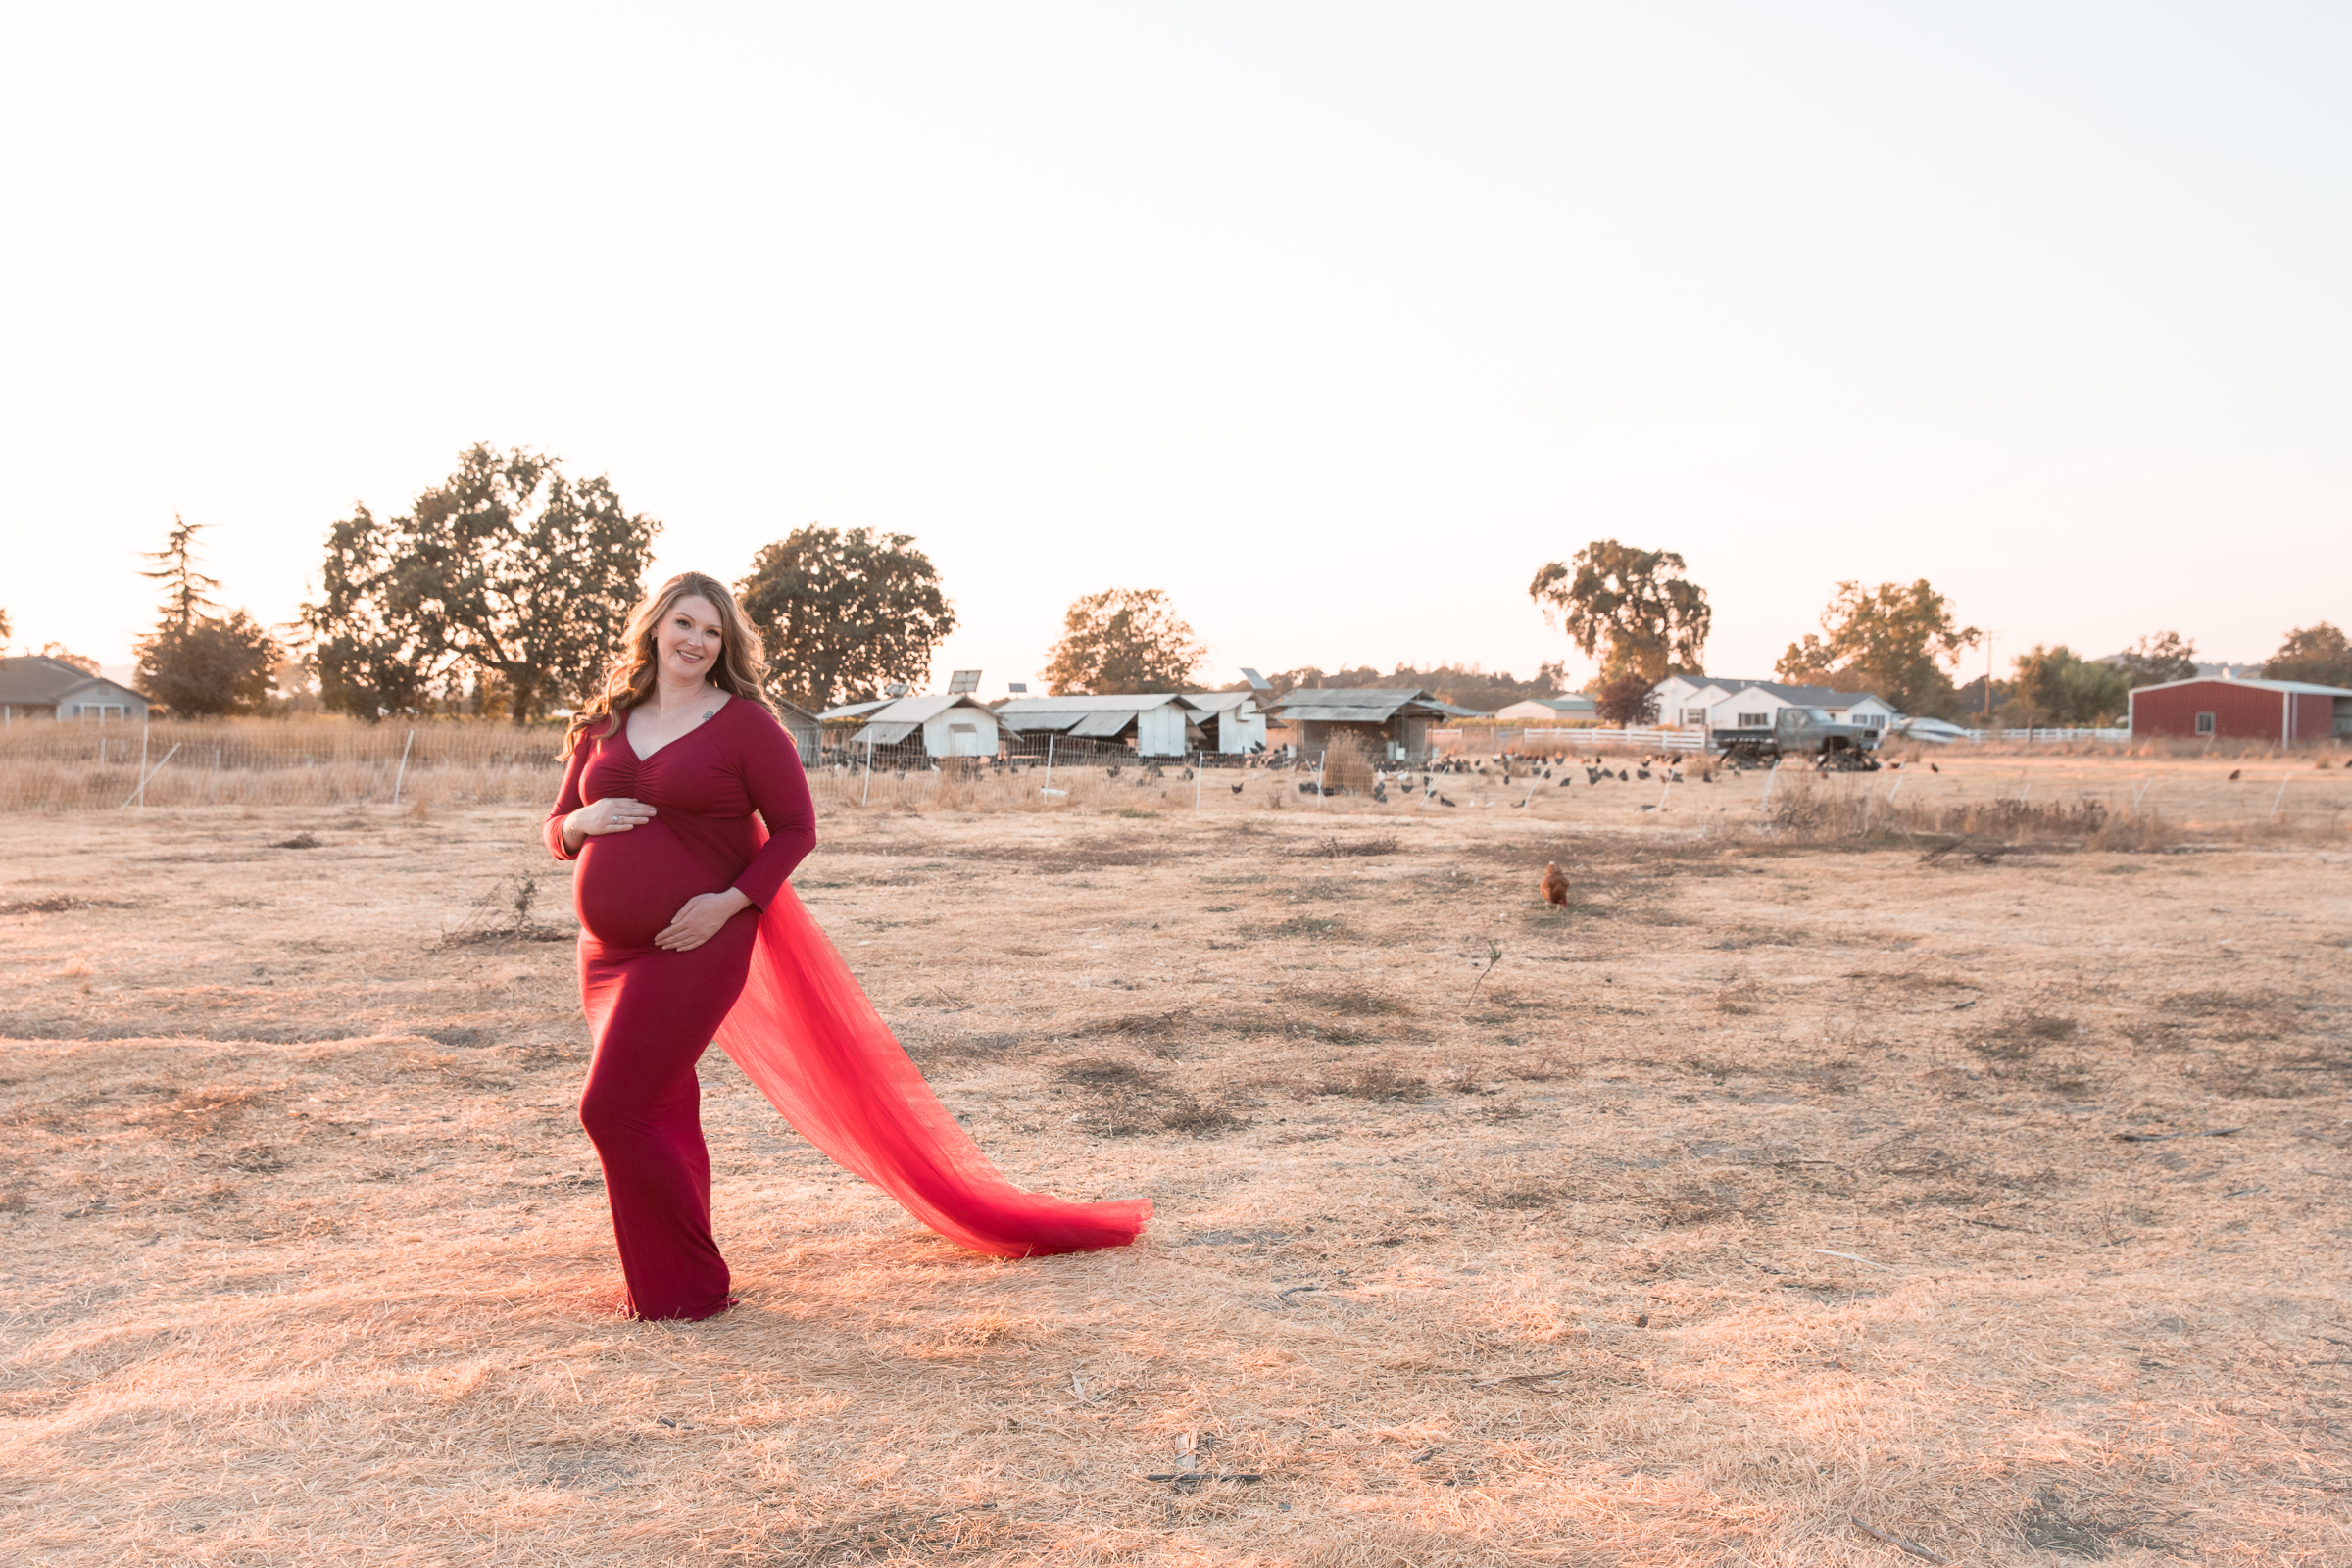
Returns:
<point x="1334" y="321"/>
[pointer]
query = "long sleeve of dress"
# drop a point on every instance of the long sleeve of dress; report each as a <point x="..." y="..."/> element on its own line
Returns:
<point x="778" y="787"/>
<point x="568" y="801"/>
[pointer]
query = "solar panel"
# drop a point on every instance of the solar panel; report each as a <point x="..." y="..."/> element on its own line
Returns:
<point x="963" y="681"/>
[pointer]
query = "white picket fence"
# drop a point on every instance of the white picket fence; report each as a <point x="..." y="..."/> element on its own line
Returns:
<point x="1664" y="740"/>
<point x="2051" y="734"/>
<point x="1692" y="740"/>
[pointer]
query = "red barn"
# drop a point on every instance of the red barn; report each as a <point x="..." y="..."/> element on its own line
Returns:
<point x="2242" y="710"/>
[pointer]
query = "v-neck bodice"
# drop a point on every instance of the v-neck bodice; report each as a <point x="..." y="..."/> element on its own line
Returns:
<point x="724" y="699"/>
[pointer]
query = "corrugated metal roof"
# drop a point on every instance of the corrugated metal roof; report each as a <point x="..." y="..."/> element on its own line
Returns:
<point x="791" y="712"/>
<point x="1057" y="720"/>
<point x="883" y="734"/>
<point x="1104" y="727"/>
<point x="1218" y="702"/>
<point x="855" y="710"/>
<point x="1360" y="705"/>
<point x="1079" y="703"/>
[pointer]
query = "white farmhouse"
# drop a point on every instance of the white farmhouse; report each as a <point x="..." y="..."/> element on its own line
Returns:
<point x="1570" y="707"/>
<point x="1716" y="702"/>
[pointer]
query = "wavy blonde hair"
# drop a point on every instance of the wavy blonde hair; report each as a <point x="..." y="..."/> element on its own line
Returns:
<point x="742" y="658"/>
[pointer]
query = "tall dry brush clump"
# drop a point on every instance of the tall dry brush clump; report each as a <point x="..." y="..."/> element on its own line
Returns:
<point x="1348" y="763"/>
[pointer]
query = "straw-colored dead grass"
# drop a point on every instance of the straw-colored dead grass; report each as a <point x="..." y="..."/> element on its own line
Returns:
<point x="1766" y="1187"/>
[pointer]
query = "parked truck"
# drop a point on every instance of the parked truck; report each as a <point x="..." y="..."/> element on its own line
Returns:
<point x="1811" y="734"/>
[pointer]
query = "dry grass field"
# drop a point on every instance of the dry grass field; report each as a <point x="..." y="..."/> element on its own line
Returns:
<point x="1993" y="1195"/>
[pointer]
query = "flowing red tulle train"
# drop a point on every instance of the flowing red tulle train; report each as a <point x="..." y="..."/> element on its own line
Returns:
<point x="804" y="1031"/>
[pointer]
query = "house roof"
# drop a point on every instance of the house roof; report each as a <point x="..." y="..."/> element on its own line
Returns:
<point x="1361" y="704"/>
<point x="1218" y="702"/>
<point x="1797" y="696"/>
<point x="2301" y="688"/>
<point x="1572" y="702"/>
<point x="856" y="709"/>
<point x="883" y="734"/>
<point x="39" y="678"/>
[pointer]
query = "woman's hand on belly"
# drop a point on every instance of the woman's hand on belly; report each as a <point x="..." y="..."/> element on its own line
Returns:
<point x="699" y="919"/>
<point x="614" y="813"/>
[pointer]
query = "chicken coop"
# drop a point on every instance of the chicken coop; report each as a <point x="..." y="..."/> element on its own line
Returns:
<point x="1150" y="723"/>
<point x="923" y="729"/>
<point x="1390" y="724"/>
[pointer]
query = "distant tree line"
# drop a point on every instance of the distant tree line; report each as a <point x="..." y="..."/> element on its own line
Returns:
<point x="502" y="593"/>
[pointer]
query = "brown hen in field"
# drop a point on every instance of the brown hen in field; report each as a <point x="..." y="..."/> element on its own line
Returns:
<point x="1554" y="887"/>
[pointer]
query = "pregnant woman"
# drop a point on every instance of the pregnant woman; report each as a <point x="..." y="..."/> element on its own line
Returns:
<point x="685" y="805"/>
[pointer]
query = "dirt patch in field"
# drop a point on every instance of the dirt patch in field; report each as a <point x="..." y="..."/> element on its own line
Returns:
<point x="1996" y="1205"/>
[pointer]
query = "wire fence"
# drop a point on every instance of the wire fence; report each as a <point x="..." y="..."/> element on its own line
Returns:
<point x="49" y="767"/>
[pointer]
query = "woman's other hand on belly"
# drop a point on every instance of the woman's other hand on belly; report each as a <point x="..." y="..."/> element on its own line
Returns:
<point x="699" y="919"/>
<point x="614" y="813"/>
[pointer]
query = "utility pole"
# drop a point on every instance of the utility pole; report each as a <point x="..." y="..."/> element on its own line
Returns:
<point x="1988" y="680"/>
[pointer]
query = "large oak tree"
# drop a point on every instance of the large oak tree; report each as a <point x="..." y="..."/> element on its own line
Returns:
<point x="511" y="575"/>
<point x="844" y="614"/>
<point x="1893" y="640"/>
<point x="2320" y="654"/>
<point x="1123" y="640"/>
<point x="1635" y="610"/>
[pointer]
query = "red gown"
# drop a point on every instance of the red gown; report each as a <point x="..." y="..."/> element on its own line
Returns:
<point x="776" y="996"/>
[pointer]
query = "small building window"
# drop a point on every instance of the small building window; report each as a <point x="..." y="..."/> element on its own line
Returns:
<point x="2204" y="723"/>
<point x="1755" y="721"/>
<point x="1694" y="715"/>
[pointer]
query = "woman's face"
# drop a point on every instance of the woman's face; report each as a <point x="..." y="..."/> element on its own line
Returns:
<point x="686" y="643"/>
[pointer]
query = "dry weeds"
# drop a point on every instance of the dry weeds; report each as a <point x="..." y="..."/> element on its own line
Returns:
<point x="1765" y="1189"/>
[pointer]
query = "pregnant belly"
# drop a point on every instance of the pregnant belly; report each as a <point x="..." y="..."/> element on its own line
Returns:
<point x="630" y="885"/>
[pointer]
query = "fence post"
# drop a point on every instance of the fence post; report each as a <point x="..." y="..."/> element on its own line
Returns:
<point x="1048" y="784"/>
<point x="140" y="794"/>
<point x="2280" y="796"/>
<point x="1770" y="779"/>
<point x="2142" y="790"/>
<point x="401" y="777"/>
<point x="868" y="793"/>
<point x="1200" y="766"/>
<point x="143" y="764"/>
<point x="1323" y="756"/>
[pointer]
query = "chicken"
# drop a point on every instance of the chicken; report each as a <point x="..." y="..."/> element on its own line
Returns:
<point x="2234" y="772"/>
<point x="1554" y="887"/>
<point x="1237" y="789"/>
